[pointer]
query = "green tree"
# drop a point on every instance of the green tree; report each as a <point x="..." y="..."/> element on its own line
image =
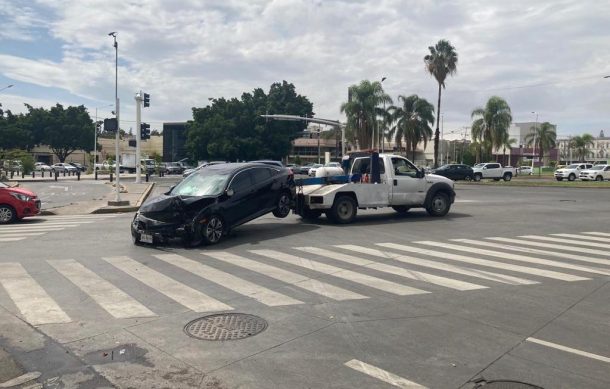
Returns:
<point x="581" y="144"/>
<point x="441" y="62"/>
<point x="68" y="130"/>
<point x="13" y="134"/>
<point x="412" y="121"/>
<point x="364" y="106"/>
<point x="491" y="123"/>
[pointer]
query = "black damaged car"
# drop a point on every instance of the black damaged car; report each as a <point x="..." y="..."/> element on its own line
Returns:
<point x="207" y="204"/>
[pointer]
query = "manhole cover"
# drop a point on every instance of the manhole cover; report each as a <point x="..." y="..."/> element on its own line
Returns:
<point x="225" y="326"/>
<point x="507" y="385"/>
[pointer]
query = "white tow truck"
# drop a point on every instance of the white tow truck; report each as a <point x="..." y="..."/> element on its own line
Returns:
<point x="399" y="184"/>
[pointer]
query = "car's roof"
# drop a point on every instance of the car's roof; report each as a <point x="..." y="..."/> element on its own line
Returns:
<point x="235" y="166"/>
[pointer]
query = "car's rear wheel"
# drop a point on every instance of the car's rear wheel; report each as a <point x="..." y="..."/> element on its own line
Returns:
<point x="7" y="214"/>
<point x="283" y="206"/>
<point x="507" y="177"/>
<point x="468" y="178"/>
<point x="571" y="177"/>
<point x="344" y="210"/>
<point x="559" y="179"/>
<point x="599" y="178"/>
<point x="401" y="208"/>
<point x="438" y="205"/>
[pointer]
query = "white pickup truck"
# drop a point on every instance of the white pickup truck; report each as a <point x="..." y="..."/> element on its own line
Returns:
<point x="494" y="171"/>
<point x="571" y="172"/>
<point x="401" y="186"/>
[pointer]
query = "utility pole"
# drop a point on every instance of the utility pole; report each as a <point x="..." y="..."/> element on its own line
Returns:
<point x="534" y="145"/>
<point x="138" y="135"/>
<point x="117" y="201"/>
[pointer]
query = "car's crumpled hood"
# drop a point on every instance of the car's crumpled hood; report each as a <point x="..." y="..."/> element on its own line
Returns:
<point x="171" y="207"/>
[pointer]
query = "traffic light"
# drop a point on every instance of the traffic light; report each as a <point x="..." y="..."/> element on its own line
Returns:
<point x="111" y="125"/>
<point x="146" y="100"/>
<point x="144" y="131"/>
<point x="132" y="143"/>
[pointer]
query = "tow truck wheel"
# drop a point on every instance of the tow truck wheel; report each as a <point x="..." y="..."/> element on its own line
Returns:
<point x="438" y="204"/>
<point x="283" y="206"/>
<point x="344" y="210"/>
<point x="401" y="208"/>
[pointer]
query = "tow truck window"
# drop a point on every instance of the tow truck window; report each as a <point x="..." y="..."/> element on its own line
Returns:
<point x="363" y="166"/>
<point x="402" y="167"/>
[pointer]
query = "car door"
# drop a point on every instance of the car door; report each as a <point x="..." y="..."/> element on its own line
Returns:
<point x="263" y="186"/>
<point x="242" y="203"/>
<point x="407" y="188"/>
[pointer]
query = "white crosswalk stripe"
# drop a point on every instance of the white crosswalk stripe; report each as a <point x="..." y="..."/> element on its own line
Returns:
<point x="585" y="237"/>
<point x="12" y="239"/>
<point x="566" y="241"/>
<point x="423" y="262"/>
<point x="598" y="233"/>
<point x="383" y="375"/>
<point x="515" y="257"/>
<point x="36" y="306"/>
<point x="41" y="226"/>
<point x="116" y="302"/>
<point x="555" y="246"/>
<point x="534" y="251"/>
<point x="301" y="281"/>
<point x="185" y="295"/>
<point x="239" y="285"/>
<point x="485" y="262"/>
<point x="359" y="278"/>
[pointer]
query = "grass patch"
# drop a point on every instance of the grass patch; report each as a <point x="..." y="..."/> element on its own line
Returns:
<point x="542" y="182"/>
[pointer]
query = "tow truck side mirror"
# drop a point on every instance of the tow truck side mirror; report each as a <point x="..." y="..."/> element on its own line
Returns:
<point x="420" y="174"/>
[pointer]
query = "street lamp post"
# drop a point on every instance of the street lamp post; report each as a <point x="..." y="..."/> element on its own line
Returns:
<point x="6" y="87"/>
<point x="116" y="110"/>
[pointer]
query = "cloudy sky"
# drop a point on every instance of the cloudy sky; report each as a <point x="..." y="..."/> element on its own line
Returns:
<point x="544" y="56"/>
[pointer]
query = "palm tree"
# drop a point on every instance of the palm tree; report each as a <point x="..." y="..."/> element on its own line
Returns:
<point x="581" y="144"/>
<point x="507" y="142"/>
<point x="542" y="137"/>
<point x="413" y="121"/>
<point x="362" y="110"/>
<point x="441" y="61"/>
<point x="492" y="122"/>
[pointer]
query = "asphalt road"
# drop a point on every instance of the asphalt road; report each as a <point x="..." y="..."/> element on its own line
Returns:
<point x="389" y="301"/>
<point x="63" y="193"/>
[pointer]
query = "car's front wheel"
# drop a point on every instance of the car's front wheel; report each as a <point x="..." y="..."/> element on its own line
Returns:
<point x="283" y="206"/>
<point x="559" y="179"/>
<point x="212" y="230"/>
<point x="438" y="205"/>
<point x="599" y="178"/>
<point x="571" y="177"/>
<point x="7" y="214"/>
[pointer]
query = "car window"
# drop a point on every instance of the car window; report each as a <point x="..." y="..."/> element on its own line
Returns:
<point x="260" y="174"/>
<point x="241" y="182"/>
<point x="402" y="167"/>
<point x="493" y="166"/>
<point x="201" y="185"/>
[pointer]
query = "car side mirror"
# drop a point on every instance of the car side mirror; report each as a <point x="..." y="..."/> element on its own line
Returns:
<point x="420" y="174"/>
<point x="230" y="192"/>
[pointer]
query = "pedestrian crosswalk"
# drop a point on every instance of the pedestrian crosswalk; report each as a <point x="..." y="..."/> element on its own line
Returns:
<point x="35" y="227"/>
<point x="151" y="284"/>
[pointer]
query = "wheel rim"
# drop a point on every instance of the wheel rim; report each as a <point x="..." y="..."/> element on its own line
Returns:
<point x="284" y="205"/>
<point x="438" y="205"/>
<point x="6" y="214"/>
<point x="345" y="210"/>
<point x="213" y="230"/>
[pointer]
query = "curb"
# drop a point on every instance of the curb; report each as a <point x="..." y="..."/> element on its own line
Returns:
<point x="130" y="208"/>
<point x="145" y="195"/>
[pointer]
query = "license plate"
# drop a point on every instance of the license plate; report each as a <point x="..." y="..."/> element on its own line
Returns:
<point x="146" y="238"/>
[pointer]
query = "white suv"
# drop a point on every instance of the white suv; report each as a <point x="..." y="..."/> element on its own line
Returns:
<point x="597" y="173"/>
<point x="571" y="172"/>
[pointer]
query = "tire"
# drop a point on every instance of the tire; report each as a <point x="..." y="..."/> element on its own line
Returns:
<point x="438" y="205"/>
<point x="559" y="179"/>
<point x="477" y="177"/>
<point x="507" y="177"/>
<point x="212" y="230"/>
<point x="468" y="178"/>
<point x="401" y="208"/>
<point x="344" y="210"/>
<point x="496" y="179"/>
<point x="310" y="214"/>
<point x="571" y="177"/>
<point x="7" y="214"/>
<point x="599" y="178"/>
<point x="283" y="206"/>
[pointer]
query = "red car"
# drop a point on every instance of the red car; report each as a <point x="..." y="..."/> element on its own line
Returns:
<point x="17" y="203"/>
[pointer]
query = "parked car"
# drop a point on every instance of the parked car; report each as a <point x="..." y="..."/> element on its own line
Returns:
<point x="13" y="166"/>
<point x="17" y="203"/>
<point x="61" y="167"/>
<point x="174" y="168"/>
<point x="41" y="166"/>
<point x="597" y="173"/>
<point x="455" y="172"/>
<point x="526" y="170"/>
<point x="206" y="205"/>
<point x="312" y="170"/>
<point x="78" y="166"/>
<point x="304" y="169"/>
<point x="571" y="172"/>
<point x="494" y="171"/>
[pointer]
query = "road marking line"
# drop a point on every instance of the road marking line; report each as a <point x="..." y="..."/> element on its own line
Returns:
<point x="569" y="350"/>
<point x="19" y="234"/>
<point x="515" y="257"/>
<point x="583" y="250"/>
<point x="566" y="241"/>
<point x="11" y="239"/>
<point x="34" y="228"/>
<point x="382" y="375"/>
<point x="116" y="302"/>
<point x="535" y="251"/>
<point x="597" y="233"/>
<point x="49" y="224"/>
<point x="432" y="264"/>
<point x="229" y="281"/>
<point x="486" y="262"/>
<point x="185" y="295"/>
<point x="359" y="278"/>
<point x="424" y="277"/>
<point x="593" y="238"/>
<point x="36" y="306"/>
<point x="304" y="282"/>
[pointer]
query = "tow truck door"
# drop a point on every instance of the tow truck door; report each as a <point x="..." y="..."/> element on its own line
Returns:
<point x="407" y="188"/>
